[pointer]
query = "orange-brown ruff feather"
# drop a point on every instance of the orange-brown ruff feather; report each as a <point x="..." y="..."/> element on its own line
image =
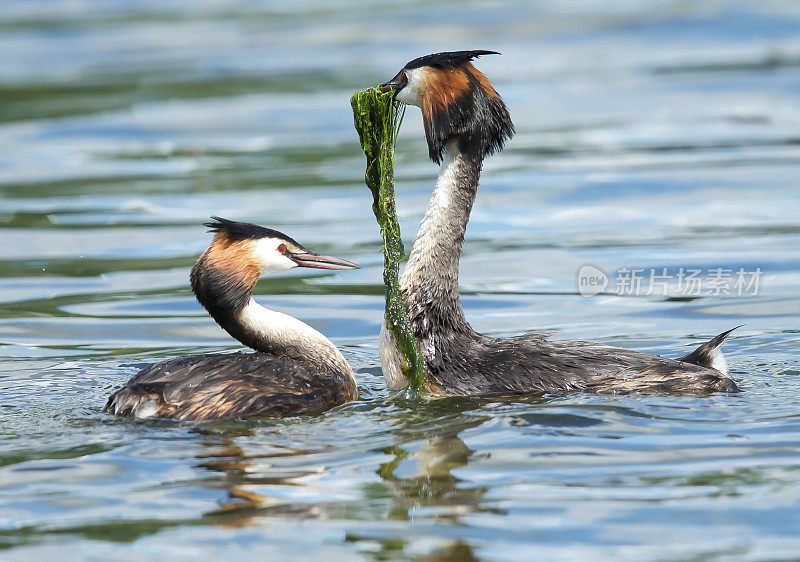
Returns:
<point x="482" y="80"/>
<point x="442" y="88"/>
<point x="235" y="258"/>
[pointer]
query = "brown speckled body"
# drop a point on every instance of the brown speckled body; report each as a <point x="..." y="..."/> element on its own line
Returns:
<point x="235" y="385"/>
<point x="478" y="365"/>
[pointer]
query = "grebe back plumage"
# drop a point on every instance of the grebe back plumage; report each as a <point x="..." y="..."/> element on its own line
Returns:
<point x="465" y="120"/>
<point x="295" y="368"/>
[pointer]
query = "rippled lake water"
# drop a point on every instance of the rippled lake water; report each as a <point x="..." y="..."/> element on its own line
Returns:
<point x="651" y="134"/>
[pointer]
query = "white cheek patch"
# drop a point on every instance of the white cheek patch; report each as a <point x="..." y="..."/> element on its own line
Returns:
<point x="412" y="93"/>
<point x="272" y="261"/>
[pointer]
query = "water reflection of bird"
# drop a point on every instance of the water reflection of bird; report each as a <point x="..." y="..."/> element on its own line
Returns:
<point x="296" y="369"/>
<point x="249" y="475"/>
<point x="465" y="120"/>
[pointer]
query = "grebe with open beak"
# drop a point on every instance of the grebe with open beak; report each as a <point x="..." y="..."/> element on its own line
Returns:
<point x="295" y="368"/>
<point x="465" y="120"/>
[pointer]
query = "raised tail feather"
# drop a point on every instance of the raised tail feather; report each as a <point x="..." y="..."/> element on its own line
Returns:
<point x="709" y="355"/>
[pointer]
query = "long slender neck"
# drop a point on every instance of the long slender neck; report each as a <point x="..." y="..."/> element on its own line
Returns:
<point x="228" y="300"/>
<point x="430" y="279"/>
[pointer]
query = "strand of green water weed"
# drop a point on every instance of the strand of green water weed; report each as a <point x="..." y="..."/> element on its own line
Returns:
<point x="377" y="119"/>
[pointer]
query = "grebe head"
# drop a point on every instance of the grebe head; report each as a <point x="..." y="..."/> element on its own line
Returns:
<point x="266" y="249"/>
<point x="457" y="101"/>
<point x="226" y="273"/>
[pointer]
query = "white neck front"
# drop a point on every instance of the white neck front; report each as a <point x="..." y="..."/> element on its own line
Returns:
<point x="434" y="224"/>
<point x="286" y="335"/>
<point x="432" y="268"/>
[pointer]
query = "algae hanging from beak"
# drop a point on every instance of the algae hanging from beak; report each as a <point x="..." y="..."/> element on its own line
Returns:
<point x="377" y="119"/>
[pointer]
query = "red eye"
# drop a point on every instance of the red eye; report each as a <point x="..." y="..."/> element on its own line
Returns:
<point x="282" y="248"/>
<point x="404" y="78"/>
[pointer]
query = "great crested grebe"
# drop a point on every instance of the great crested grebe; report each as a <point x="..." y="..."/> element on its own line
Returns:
<point x="295" y="368"/>
<point x="465" y="120"/>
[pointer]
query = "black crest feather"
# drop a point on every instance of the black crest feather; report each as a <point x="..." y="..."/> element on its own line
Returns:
<point x="244" y="230"/>
<point x="447" y="59"/>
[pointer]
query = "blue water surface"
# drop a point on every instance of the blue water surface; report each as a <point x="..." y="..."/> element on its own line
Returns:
<point x="651" y="134"/>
